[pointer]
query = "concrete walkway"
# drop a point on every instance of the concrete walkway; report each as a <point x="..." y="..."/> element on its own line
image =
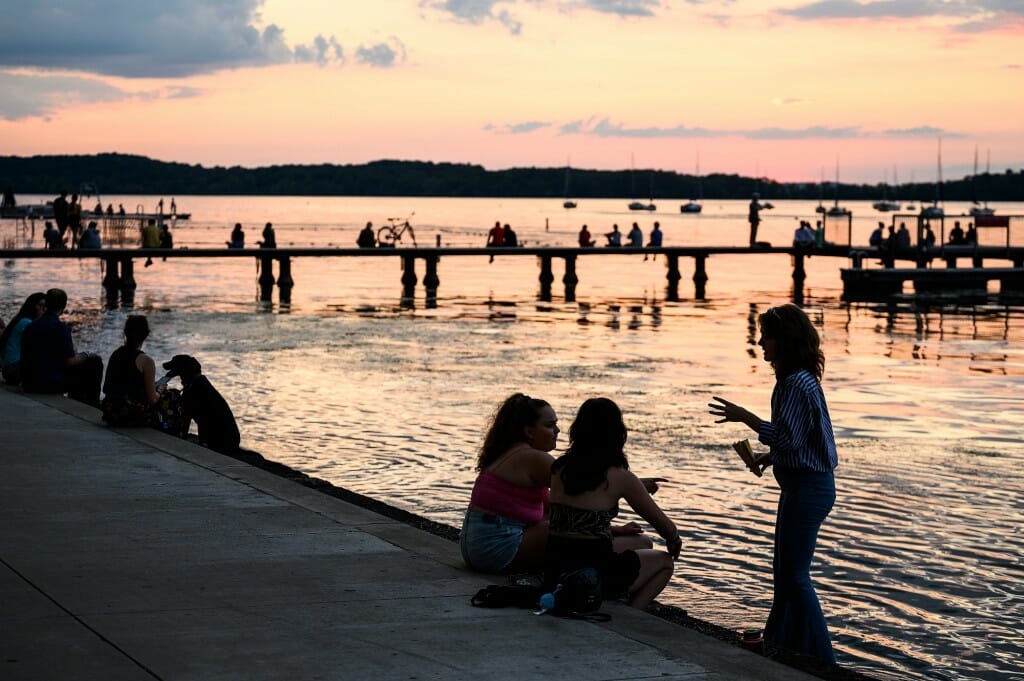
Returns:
<point x="128" y="554"/>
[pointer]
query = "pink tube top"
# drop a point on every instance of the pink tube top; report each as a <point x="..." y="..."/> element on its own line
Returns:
<point x="525" y="504"/>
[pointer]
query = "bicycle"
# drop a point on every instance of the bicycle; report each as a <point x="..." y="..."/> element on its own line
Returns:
<point x="390" y="234"/>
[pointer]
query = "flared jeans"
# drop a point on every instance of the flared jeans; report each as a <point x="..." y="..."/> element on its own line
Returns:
<point x="796" y="623"/>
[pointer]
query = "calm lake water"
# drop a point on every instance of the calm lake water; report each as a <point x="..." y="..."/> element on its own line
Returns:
<point x="919" y="567"/>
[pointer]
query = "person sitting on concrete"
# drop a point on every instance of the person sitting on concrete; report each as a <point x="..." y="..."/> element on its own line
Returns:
<point x="49" y="361"/>
<point x="10" y="341"/>
<point x="269" y="237"/>
<point x="90" y="237"/>
<point x="204" y="405"/>
<point x="132" y="397"/>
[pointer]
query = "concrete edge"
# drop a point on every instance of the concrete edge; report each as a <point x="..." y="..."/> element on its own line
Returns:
<point x="728" y="661"/>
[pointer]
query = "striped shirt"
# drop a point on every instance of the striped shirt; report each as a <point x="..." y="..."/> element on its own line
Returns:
<point x="800" y="432"/>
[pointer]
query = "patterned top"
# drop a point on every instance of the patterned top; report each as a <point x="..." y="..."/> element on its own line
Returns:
<point x="800" y="432"/>
<point x="570" y="520"/>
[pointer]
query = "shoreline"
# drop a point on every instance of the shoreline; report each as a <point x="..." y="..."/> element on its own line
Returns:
<point x="669" y="613"/>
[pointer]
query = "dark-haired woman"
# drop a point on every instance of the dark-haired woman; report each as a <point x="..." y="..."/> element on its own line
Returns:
<point x="802" y="452"/>
<point x="587" y="483"/>
<point x="506" y="528"/>
<point x="10" y="341"/>
<point x="131" y="397"/>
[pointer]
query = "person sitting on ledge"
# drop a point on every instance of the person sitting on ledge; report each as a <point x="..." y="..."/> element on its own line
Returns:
<point x="203" y="404"/>
<point x="366" y="238"/>
<point x="49" y="361"/>
<point x="132" y="396"/>
<point x="90" y="237"/>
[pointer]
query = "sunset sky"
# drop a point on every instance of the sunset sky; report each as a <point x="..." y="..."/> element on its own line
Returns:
<point x="777" y="88"/>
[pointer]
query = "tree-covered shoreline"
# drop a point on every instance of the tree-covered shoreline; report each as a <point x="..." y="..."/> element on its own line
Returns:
<point x="129" y="174"/>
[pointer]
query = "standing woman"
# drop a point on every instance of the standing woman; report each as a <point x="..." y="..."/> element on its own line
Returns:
<point x="803" y="454"/>
<point x="10" y="342"/>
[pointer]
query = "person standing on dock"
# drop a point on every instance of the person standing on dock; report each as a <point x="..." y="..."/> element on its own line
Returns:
<point x="75" y="219"/>
<point x="60" y="213"/>
<point x="803" y="455"/>
<point x="754" y="217"/>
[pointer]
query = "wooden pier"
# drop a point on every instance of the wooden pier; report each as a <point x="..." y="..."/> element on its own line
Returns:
<point x="119" y="278"/>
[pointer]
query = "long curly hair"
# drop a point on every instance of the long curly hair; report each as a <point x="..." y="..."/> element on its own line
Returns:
<point x="798" y="345"/>
<point x="597" y="438"/>
<point x="517" y="412"/>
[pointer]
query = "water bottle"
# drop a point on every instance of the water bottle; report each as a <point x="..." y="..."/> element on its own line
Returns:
<point x="548" y="601"/>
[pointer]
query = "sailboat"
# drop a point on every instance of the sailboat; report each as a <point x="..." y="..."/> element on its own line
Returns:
<point x="639" y="205"/>
<point x="935" y="210"/>
<point x="821" y="192"/>
<point x="885" y="205"/>
<point x="693" y="205"/>
<point x="911" y="206"/>
<point x="977" y="210"/>
<point x="568" y="203"/>
<point x="836" y="210"/>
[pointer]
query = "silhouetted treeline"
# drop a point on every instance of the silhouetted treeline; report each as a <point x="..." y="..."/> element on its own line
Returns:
<point x="126" y="174"/>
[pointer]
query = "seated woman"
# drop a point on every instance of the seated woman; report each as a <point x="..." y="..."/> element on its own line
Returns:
<point x="586" y="485"/>
<point x="10" y="342"/>
<point x="505" y="528"/>
<point x="130" y="392"/>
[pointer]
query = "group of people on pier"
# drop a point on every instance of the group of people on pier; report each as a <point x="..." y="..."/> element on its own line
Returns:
<point x="532" y="513"/>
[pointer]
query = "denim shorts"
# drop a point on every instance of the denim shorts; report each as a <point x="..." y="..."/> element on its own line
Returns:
<point x="490" y="542"/>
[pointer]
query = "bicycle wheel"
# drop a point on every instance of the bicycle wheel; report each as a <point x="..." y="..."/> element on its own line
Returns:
<point x="386" y="237"/>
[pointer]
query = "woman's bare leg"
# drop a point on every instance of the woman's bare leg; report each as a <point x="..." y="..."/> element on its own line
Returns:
<point x="655" y="571"/>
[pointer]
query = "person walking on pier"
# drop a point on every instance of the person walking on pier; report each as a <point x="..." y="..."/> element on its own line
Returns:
<point x="49" y="361"/>
<point x="802" y="450"/>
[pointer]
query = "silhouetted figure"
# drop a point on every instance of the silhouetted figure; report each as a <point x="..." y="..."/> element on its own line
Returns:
<point x="9" y="201"/>
<point x="204" y="405"/>
<point x="956" y="235"/>
<point x="654" y="241"/>
<point x="804" y="238"/>
<point x="90" y="237"/>
<point x="754" y="217"/>
<point x="876" y="236"/>
<point x="614" y="237"/>
<point x="509" y="237"/>
<point x="366" y="238"/>
<point x="269" y="238"/>
<point x="237" y="237"/>
<point x="636" y="237"/>
<point x="60" y="213"/>
<point x="52" y="237"/>
<point x="166" y="238"/>
<point x="110" y="209"/>
<point x="585" y="240"/>
<point x="496" y="237"/>
<point x="120" y="209"/>
<point x="74" y="219"/>
<point x="928" y="237"/>
<point x="150" y="238"/>
<point x="49" y="361"/>
<point x="903" y="238"/>
<point x="971" y="237"/>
